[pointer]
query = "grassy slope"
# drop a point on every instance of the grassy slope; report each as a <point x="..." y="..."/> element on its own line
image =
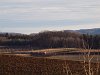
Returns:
<point x="17" y="65"/>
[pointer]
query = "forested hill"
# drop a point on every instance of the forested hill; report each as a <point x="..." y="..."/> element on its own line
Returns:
<point x="50" y="39"/>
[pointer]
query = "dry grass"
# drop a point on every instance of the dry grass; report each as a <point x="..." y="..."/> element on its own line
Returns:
<point x="52" y="50"/>
<point x="18" y="65"/>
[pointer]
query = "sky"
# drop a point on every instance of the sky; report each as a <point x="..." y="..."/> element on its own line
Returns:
<point x="32" y="16"/>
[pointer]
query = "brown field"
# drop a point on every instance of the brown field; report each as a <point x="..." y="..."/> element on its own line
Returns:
<point x="64" y="61"/>
<point x="74" y="54"/>
<point x="96" y="58"/>
<point x="19" y="65"/>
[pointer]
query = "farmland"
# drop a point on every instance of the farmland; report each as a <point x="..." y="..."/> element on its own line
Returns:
<point x="17" y="65"/>
<point x="74" y="54"/>
<point x="60" y="61"/>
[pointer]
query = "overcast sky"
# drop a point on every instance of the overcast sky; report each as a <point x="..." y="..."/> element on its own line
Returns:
<point x="30" y="16"/>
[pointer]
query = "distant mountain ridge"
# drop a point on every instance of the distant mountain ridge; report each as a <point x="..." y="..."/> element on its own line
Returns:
<point x="93" y="31"/>
<point x="89" y="31"/>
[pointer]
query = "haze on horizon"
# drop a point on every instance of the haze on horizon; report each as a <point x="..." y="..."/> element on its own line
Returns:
<point x="30" y="16"/>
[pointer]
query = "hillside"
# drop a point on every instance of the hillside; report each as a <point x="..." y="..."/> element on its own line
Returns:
<point x="49" y="39"/>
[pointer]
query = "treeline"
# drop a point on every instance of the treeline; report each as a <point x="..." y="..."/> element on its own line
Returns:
<point x="51" y="39"/>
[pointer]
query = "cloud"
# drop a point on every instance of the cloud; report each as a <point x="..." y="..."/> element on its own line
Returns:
<point x="15" y="11"/>
<point x="19" y="1"/>
<point x="51" y="13"/>
<point x="50" y="9"/>
<point x="39" y="23"/>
